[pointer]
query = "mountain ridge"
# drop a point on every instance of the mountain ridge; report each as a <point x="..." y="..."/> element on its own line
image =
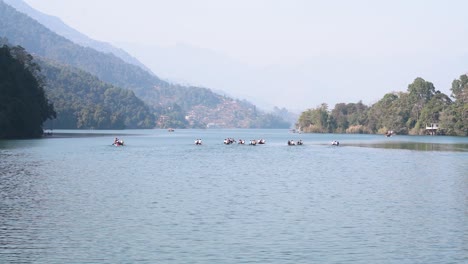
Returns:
<point x="164" y="97"/>
<point x="58" y="26"/>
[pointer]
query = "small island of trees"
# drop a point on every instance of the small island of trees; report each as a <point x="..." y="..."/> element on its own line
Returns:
<point x="408" y="112"/>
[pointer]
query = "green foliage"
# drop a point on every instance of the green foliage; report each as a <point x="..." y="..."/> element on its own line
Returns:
<point x="344" y="116"/>
<point x="391" y="113"/>
<point x="23" y="104"/>
<point x="83" y="101"/>
<point x="316" y="120"/>
<point x="403" y="113"/>
<point x="455" y="118"/>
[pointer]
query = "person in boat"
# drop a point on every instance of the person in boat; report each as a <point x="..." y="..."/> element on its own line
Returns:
<point x="198" y="142"/>
<point x="335" y="143"/>
<point x="299" y="142"/>
<point x="229" y="141"/>
<point x="242" y="142"/>
<point x="118" y="142"/>
<point x="291" y="143"/>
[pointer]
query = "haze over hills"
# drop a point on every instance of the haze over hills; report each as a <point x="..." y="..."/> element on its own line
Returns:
<point x="321" y="79"/>
<point x="57" y="25"/>
<point x="295" y="54"/>
<point x="170" y="101"/>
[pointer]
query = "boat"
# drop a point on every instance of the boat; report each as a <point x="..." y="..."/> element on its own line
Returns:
<point x="118" y="142"/>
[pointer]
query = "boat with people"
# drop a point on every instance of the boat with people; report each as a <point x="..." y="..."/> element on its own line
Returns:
<point x="241" y="141"/>
<point x="118" y="142"/>
<point x="198" y="141"/>
<point x="293" y="143"/>
<point x="261" y="141"/>
<point x="229" y="141"/>
<point x="335" y="143"/>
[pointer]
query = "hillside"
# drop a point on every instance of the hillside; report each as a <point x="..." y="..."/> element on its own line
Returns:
<point x="58" y="26"/>
<point x="22" y="30"/>
<point x="83" y="101"/>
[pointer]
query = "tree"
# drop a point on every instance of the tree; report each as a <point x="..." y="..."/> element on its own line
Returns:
<point x="431" y="111"/>
<point x="420" y="92"/>
<point x="349" y="118"/>
<point x="384" y="115"/>
<point x="454" y="119"/>
<point x="315" y="120"/>
<point x="23" y="103"/>
<point x="460" y="89"/>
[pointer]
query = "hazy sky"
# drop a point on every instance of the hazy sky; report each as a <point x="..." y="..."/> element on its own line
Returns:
<point x="297" y="53"/>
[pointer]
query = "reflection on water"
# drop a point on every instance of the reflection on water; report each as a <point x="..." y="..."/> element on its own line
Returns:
<point x="420" y="146"/>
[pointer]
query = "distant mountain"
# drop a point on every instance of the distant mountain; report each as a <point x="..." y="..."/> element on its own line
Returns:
<point x="175" y="105"/>
<point x="58" y="26"/>
<point x="22" y="30"/>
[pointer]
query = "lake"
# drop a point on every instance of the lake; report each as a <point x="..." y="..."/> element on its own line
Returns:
<point x="74" y="198"/>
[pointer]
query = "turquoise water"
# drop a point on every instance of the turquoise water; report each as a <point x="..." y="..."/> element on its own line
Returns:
<point x="74" y="198"/>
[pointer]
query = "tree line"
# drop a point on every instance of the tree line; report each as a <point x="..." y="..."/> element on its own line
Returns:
<point x="399" y="112"/>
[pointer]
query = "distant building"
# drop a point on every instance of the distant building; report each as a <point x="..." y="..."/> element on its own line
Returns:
<point x="431" y="129"/>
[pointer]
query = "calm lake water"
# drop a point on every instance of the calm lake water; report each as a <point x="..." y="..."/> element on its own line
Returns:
<point x="74" y="198"/>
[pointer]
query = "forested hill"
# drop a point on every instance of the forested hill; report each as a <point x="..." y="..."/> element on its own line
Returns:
<point x="83" y="101"/>
<point x="175" y="105"/>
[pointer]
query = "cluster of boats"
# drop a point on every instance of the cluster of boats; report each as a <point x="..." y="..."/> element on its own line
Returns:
<point x="253" y="142"/>
<point x="229" y="141"/>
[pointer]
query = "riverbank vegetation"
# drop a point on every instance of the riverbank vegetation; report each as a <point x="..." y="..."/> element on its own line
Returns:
<point x="409" y="112"/>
